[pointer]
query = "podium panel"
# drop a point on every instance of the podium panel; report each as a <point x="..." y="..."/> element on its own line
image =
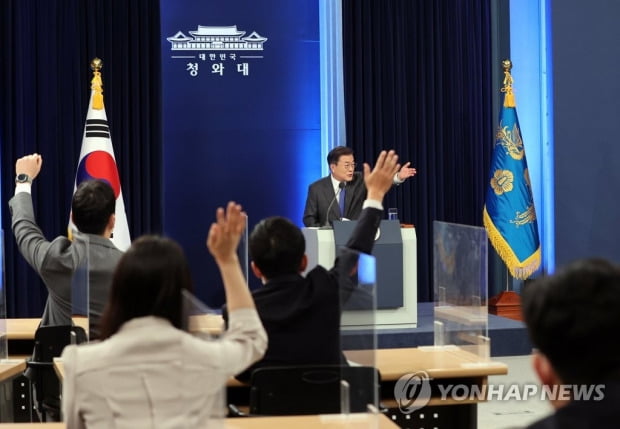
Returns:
<point x="399" y="306"/>
<point x="388" y="250"/>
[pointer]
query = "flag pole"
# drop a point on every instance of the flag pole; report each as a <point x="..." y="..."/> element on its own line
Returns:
<point x="509" y="215"/>
<point x="97" y="160"/>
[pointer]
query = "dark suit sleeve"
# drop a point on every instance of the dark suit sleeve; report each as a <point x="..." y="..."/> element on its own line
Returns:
<point x="363" y="237"/>
<point x="311" y="212"/>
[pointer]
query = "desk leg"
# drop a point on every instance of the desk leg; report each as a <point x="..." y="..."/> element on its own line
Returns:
<point x="22" y="400"/>
<point x="15" y="400"/>
<point x="439" y="416"/>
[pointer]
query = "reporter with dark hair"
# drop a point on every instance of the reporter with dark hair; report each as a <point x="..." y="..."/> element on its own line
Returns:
<point x="93" y="206"/>
<point x="573" y="319"/>
<point x="302" y="314"/>
<point x="147" y="372"/>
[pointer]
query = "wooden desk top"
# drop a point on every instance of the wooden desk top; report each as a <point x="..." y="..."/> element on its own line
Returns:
<point x="326" y="421"/>
<point x="437" y="362"/>
<point x="24" y="329"/>
<point x="21" y="329"/>
<point x="59" y="368"/>
<point x="11" y="367"/>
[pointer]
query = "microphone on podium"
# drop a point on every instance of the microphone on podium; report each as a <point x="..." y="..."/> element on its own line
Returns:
<point x="341" y="186"/>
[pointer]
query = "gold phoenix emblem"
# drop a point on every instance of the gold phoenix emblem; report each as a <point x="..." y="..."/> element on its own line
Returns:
<point x="528" y="216"/>
<point x="510" y="140"/>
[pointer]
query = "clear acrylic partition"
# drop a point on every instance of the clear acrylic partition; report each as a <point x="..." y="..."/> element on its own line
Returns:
<point x="357" y="285"/>
<point x="80" y="289"/>
<point x="205" y="323"/>
<point x="460" y="283"/>
<point x="3" y="328"/>
<point x="242" y="250"/>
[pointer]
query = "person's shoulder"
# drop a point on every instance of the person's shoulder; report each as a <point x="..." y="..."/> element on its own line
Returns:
<point x="318" y="275"/>
<point x="321" y="181"/>
<point x="106" y="248"/>
<point x="60" y="246"/>
<point x="84" y="357"/>
<point x="279" y="290"/>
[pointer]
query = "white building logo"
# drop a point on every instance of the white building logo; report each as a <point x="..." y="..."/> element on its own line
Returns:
<point x="218" y="44"/>
<point x="207" y="38"/>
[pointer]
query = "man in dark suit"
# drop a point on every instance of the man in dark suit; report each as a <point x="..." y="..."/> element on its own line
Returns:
<point x="302" y="314"/>
<point x="56" y="261"/>
<point x="573" y="320"/>
<point x="326" y="194"/>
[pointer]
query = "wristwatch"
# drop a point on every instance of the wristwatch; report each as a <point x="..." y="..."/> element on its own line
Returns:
<point x="23" y="178"/>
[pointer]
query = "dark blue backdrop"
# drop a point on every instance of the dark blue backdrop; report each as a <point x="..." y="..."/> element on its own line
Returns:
<point x="226" y="136"/>
<point x="585" y="102"/>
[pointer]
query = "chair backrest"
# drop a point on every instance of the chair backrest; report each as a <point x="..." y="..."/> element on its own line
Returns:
<point x="313" y="389"/>
<point x="51" y="340"/>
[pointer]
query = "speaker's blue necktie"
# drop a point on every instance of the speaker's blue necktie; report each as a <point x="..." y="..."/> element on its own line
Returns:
<point x="342" y="197"/>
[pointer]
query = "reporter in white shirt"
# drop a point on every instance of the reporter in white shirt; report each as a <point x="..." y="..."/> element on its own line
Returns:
<point x="147" y="372"/>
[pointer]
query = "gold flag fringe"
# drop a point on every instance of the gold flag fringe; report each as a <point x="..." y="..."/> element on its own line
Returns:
<point x="518" y="269"/>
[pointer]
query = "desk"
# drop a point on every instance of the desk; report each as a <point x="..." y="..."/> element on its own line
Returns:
<point x="437" y="362"/>
<point x="448" y="365"/>
<point x="328" y="421"/>
<point x="332" y="421"/>
<point x="9" y="369"/>
<point x="24" y="329"/>
<point x="21" y="329"/>
<point x="443" y="365"/>
<point x="59" y="368"/>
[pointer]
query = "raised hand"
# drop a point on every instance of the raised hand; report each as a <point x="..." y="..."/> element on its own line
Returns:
<point x="225" y="232"/>
<point x="29" y="164"/>
<point x="406" y="172"/>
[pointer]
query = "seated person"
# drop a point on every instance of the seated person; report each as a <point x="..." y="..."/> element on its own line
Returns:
<point x="573" y="318"/>
<point x="302" y="314"/>
<point x="343" y="191"/>
<point x="92" y="211"/>
<point x="56" y="262"/>
<point x="147" y="372"/>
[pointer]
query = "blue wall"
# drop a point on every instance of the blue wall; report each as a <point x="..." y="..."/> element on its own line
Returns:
<point x="586" y="113"/>
<point x="254" y="138"/>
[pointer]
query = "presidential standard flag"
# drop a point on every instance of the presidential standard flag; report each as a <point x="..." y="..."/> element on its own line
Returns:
<point x="509" y="215"/>
<point x="97" y="157"/>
